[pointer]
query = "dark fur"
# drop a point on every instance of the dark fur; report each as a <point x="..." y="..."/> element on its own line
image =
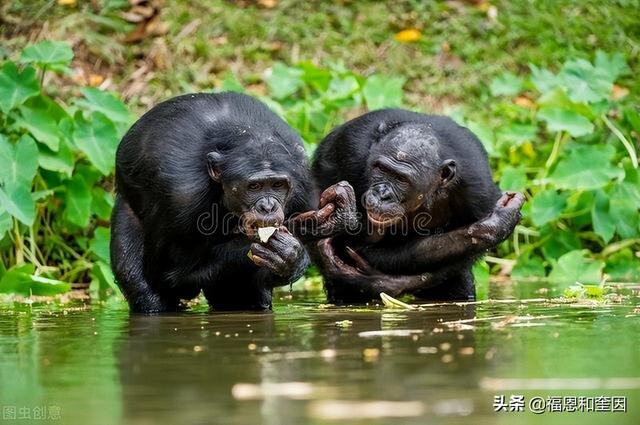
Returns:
<point x="158" y="253"/>
<point x="469" y="197"/>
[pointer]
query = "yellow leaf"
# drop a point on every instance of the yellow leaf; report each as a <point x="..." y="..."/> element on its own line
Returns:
<point x="66" y="2"/>
<point x="618" y="92"/>
<point x="408" y="36"/>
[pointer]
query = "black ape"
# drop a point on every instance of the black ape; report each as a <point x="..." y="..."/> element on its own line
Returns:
<point x="196" y="177"/>
<point x="432" y="209"/>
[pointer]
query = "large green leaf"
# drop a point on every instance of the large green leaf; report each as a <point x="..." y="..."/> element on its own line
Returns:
<point x="18" y="202"/>
<point x="47" y="53"/>
<point x="527" y="267"/>
<point x="513" y="178"/>
<point x="585" y="167"/>
<point x="16" y="87"/>
<point x="613" y="65"/>
<point x="383" y="92"/>
<point x="102" y="203"/>
<point x="17" y="281"/>
<point x="19" y="162"/>
<point x="98" y="139"/>
<point x="576" y="266"/>
<point x="5" y="223"/>
<point x="517" y="133"/>
<point x="559" y="119"/>
<point x="108" y="104"/>
<point x="99" y="245"/>
<point x="558" y="242"/>
<point x="584" y="82"/>
<point x="547" y="206"/>
<point x="603" y="223"/>
<point x="61" y="161"/>
<point x="506" y="84"/>
<point x="284" y="80"/>
<point x="624" y="209"/>
<point x="544" y="80"/>
<point x="77" y="201"/>
<point x="41" y="125"/>
<point x="623" y="266"/>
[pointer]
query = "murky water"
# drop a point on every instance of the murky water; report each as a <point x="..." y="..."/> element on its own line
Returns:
<point x="309" y="363"/>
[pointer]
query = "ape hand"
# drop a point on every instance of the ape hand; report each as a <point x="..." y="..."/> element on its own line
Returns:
<point x="497" y="227"/>
<point x="283" y="255"/>
<point x="361" y="276"/>
<point x="337" y="213"/>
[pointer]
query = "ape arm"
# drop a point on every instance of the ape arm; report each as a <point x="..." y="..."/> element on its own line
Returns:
<point x="361" y="282"/>
<point x="423" y="252"/>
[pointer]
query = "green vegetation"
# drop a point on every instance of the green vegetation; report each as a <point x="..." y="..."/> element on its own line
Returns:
<point x="557" y="110"/>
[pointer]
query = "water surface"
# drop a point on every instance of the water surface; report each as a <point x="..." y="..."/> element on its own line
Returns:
<point x="312" y="363"/>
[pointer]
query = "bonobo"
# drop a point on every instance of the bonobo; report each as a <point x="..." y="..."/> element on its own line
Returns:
<point x="429" y="204"/>
<point x="198" y="179"/>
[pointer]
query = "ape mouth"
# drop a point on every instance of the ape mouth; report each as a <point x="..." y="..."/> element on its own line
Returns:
<point x="382" y="220"/>
<point x="251" y="222"/>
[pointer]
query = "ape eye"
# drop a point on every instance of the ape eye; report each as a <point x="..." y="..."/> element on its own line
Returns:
<point x="254" y="186"/>
<point x="278" y="184"/>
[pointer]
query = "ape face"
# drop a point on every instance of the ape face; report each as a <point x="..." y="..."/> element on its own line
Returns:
<point x="406" y="169"/>
<point x="258" y="198"/>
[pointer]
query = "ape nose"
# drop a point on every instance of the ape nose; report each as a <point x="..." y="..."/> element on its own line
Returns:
<point x="384" y="193"/>
<point x="267" y="206"/>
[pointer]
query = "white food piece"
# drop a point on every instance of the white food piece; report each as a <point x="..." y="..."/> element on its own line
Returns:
<point x="264" y="233"/>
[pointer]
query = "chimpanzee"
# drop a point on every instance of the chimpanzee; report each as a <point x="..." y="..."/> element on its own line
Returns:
<point x="431" y="207"/>
<point x="198" y="178"/>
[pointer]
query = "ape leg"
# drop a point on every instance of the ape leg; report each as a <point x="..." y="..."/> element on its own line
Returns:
<point x="127" y="256"/>
<point x="240" y="292"/>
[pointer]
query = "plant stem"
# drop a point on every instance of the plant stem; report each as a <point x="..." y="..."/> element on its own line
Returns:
<point x="627" y="144"/>
<point x="554" y="152"/>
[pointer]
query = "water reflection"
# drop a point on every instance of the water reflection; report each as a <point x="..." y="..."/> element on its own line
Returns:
<point x="306" y="363"/>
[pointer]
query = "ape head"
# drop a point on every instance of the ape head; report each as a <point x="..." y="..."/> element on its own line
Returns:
<point x="257" y="185"/>
<point x="406" y="169"/>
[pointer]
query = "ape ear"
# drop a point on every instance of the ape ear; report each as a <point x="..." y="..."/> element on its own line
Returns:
<point x="447" y="170"/>
<point x="213" y="165"/>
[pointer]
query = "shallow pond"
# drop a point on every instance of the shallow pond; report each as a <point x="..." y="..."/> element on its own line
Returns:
<point x="312" y="363"/>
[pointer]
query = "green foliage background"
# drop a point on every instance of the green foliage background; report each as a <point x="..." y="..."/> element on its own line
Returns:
<point x="562" y="134"/>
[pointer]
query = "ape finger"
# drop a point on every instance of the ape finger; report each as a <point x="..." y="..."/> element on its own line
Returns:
<point x="268" y="259"/>
<point x="360" y="262"/>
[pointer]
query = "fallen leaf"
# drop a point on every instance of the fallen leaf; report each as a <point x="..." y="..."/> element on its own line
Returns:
<point x="408" y="36"/>
<point x="66" y="2"/>
<point x="524" y="102"/>
<point x="618" y="92"/>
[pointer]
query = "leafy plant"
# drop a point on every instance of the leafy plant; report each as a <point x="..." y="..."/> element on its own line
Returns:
<point x="566" y="139"/>
<point x="55" y="184"/>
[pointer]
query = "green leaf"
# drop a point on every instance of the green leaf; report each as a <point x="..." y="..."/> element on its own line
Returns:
<point x="485" y="134"/>
<point x="613" y="65"/>
<point x="383" y="92"/>
<point x="108" y="104"/>
<point x="41" y="125"/>
<point x="284" y="80"/>
<point x="77" y="201"/>
<point x="576" y="266"/>
<point x="513" y="179"/>
<point x="5" y="223"/>
<point x="584" y="82"/>
<point x="99" y="245"/>
<point x="98" y="139"/>
<point x="585" y="167"/>
<point x="559" y="119"/>
<point x="518" y="133"/>
<point x="231" y="83"/>
<point x="623" y="266"/>
<point x="603" y="224"/>
<point x="342" y="88"/>
<point x="527" y="267"/>
<point x="16" y="281"/>
<point x="62" y="161"/>
<point x="102" y="203"/>
<point x="47" y="53"/>
<point x="624" y="210"/>
<point x="19" y="162"/>
<point x="558" y="242"/>
<point x="544" y="80"/>
<point x="506" y="84"/>
<point x="104" y="276"/>
<point x="547" y="206"/>
<point x="16" y="87"/>
<point x="481" y="275"/>
<point x="18" y="202"/>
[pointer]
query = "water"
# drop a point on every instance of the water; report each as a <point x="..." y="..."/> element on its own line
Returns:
<point x="310" y="363"/>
